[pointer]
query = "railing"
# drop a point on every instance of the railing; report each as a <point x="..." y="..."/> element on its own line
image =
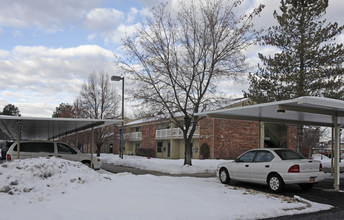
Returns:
<point x="133" y="136"/>
<point x="176" y="133"/>
<point x="163" y="133"/>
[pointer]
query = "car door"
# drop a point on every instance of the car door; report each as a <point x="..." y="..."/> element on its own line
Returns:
<point x="261" y="166"/>
<point x="240" y="169"/>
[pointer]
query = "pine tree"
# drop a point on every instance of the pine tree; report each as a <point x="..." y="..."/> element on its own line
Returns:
<point x="11" y="110"/>
<point x="310" y="62"/>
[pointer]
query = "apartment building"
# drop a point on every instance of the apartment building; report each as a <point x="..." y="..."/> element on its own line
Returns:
<point x="221" y="138"/>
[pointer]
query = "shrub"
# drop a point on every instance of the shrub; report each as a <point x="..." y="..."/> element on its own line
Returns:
<point x="145" y="152"/>
<point x="205" y="151"/>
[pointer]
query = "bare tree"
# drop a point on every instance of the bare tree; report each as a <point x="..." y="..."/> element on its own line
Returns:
<point x="177" y="59"/>
<point x="311" y="137"/>
<point x="98" y="100"/>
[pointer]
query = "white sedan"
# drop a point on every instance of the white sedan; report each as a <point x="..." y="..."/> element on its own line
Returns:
<point x="272" y="166"/>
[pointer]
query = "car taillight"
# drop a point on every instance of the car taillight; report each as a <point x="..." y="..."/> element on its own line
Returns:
<point x="320" y="167"/>
<point x="8" y="157"/>
<point x="294" y="169"/>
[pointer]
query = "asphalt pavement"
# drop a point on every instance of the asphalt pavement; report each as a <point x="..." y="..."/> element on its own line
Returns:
<point x="322" y="192"/>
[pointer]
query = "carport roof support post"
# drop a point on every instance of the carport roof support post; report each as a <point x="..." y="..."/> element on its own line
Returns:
<point x="336" y="154"/>
<point x="92" y="145"/>
<point x="18" y="139"/>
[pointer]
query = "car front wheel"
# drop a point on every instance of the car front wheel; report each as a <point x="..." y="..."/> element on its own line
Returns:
<point x="275" y="183"/>
<point x="224" y="176"/>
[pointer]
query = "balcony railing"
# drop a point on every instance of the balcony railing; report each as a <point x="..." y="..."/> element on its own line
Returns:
<point x="133" y="136"/>
<point x="173" y="133"/>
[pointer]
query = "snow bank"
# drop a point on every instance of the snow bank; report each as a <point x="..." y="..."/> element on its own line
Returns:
<point x="57" y="189"/>
<point x="163" y="165"/>
<point x="42" y="176"/>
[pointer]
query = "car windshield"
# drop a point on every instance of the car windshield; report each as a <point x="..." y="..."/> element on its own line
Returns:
<point x="288" y="155"/>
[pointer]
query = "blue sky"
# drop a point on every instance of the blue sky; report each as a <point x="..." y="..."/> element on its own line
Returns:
<point x="49" y="47"/>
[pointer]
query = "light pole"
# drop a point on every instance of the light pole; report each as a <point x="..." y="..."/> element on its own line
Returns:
<point x="118" y="78"/>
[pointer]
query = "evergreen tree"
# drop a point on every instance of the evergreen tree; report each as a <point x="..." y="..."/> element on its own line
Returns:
<point x="310" y="62"/>
<point x="11" y="110"/>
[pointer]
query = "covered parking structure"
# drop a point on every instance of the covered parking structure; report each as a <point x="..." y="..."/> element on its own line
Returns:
<point x="33" y="128"/>
<point x="306" y="110"/>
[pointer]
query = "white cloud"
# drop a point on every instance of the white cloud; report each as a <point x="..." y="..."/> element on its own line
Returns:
<point x="152" y="3"/>
<point x="334" y="12"/>
<point x="48" y="15"/>
<point x="132" y="15"/>
<point x="36" y="109"/>
<point x="46" y="77"/>
<point x="112" y="25"/>
<point x="103" y="19"/>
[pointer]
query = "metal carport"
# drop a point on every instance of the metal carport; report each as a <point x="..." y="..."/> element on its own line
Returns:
<point x="306" y="110"/>
<point x="33" y="128"/>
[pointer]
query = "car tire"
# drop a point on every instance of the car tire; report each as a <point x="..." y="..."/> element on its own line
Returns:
<point x="87" y="163"/>
<point x="275" y="183"/>
<point x="306" y="186"/>
<point x="224" y="176"/>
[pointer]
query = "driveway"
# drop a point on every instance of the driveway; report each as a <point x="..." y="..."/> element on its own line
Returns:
<point x="321" y="193"/>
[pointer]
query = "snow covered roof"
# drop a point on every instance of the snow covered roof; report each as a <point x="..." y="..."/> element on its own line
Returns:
<point x="33" y="128"/>
<point x="306" y="110"/>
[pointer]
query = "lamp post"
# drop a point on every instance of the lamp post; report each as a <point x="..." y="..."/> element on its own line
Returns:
<point x="118" y="78"/>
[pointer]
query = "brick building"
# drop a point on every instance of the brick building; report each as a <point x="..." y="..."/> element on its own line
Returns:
<point x="222" y="138"/>
<point x="213" y="138"/>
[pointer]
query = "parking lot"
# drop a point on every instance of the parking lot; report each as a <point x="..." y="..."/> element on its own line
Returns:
<point x="322" y="193"/>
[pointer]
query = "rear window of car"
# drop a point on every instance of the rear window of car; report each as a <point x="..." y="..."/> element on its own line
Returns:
<point x="288" y="155"/>
<point x="36" y="147"/>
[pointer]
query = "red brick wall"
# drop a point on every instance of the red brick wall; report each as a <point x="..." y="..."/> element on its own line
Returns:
<point x="228" y="139"/>
<point x="206" y="134"/>
<point x="292" y="138"/>
<point x="148" y="136"/>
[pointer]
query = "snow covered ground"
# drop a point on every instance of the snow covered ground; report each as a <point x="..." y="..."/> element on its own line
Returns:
<point x="58" y="189"/>
<point x="175" y="166"/>
<point x="163" y="165"/>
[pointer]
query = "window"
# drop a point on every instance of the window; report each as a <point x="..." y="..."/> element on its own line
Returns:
<point x="159" y="147"/>
<point x="288" y="155"/>
<point x="247" y="157"/>
<point x="64" y="149"/>
<point x="263" y="156"/>
<point x="137" y="145"/>
<point x="36" y="147"/>
<point x="164" y="126"/>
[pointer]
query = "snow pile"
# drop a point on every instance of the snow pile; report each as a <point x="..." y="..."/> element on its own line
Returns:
<point x="163" y="165"/>
<point x="57" y="189"/>
<point x="42" y="176"/>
